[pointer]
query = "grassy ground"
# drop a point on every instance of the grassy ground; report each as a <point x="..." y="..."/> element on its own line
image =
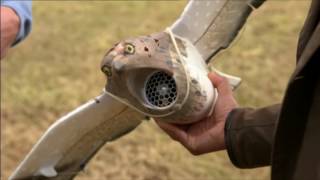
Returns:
<point x="57" y="69"/>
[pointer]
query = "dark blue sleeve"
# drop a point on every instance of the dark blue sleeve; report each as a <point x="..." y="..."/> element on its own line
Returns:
<point x="23" y="8"/>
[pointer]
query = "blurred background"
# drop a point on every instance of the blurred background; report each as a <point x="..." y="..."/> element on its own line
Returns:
<point x="57" y="68"/>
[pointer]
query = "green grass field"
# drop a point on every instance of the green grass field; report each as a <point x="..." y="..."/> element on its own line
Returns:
<point x="57" y="68"/>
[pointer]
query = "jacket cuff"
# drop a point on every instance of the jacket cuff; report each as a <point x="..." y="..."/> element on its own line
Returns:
<point x="249" y="135"/>
<point x="228" y="139"/>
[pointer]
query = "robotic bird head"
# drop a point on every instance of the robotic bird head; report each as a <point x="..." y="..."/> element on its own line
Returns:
<point x="148" y="74"/>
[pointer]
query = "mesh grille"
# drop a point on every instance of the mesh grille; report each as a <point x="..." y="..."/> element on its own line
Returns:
<point x="161" y="90"/>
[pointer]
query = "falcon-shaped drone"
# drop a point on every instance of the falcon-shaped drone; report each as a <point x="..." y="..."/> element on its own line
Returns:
<point x="163" y="75"/>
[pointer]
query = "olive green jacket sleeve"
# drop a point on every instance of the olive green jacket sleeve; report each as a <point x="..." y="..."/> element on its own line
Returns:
<point x="249" y="135"/>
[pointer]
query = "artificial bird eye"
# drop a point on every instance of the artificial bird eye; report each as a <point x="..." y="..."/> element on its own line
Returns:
<point x="129" y="49"/>
<point x="107" y="71"/>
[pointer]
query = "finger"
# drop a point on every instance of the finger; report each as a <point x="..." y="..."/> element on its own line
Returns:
<point x="220" y="83"/>
<point x="178" y="134"/>
<point x="173" y="131"/>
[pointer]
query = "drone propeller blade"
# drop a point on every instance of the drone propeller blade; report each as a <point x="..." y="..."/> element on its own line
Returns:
<point x="71" y="142"/>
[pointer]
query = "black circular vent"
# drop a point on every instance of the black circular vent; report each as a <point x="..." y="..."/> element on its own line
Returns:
<point x="160" y="89"/>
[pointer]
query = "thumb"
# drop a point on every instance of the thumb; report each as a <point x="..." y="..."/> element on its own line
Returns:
<point x="220" y="83"/>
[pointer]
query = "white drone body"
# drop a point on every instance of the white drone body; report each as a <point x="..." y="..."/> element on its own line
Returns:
<point x="182" y="96"/>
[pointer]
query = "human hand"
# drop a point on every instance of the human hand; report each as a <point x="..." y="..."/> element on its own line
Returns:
<point x="206" y="135"/>
<point x="10" y="24"/>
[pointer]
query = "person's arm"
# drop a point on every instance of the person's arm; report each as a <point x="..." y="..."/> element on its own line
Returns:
<point x="247" y="134"/>
<point x="16" y="21"/>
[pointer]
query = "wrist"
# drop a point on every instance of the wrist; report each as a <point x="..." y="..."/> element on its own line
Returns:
<point x="223" y="145"/>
